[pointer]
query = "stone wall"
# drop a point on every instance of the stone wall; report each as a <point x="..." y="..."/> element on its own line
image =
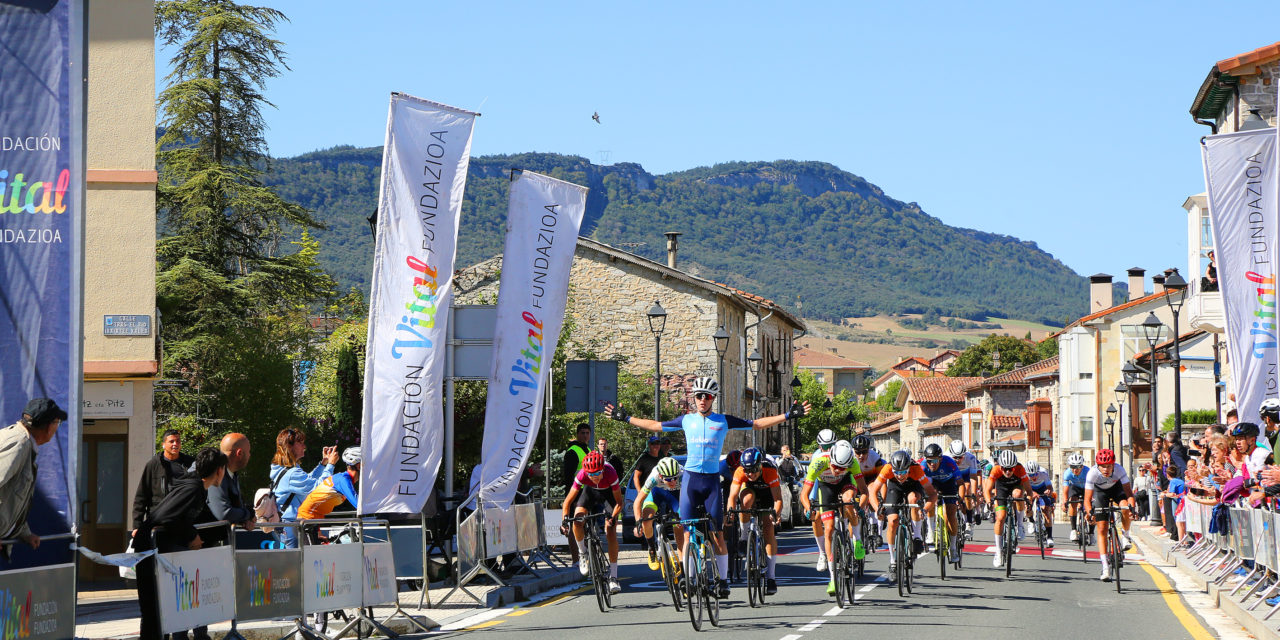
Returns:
<point x="1008" y="401"/>
<point x="1256" y="91"/>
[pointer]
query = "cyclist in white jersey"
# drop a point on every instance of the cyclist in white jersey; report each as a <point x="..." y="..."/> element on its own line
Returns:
<point x="1108" y="483"/>
<point x="969" y="493"/>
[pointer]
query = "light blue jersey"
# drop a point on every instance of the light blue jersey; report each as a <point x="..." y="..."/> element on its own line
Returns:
<point x="705" y="438"/>
<point x="1073" y="479"/>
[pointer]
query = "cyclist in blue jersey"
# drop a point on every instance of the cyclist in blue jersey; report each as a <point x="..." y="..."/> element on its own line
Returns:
<point x="947" y="478"/>
<point x="1042" y="487"/>
<point x="704" y="434"/>
<point x="1073" y="488"/>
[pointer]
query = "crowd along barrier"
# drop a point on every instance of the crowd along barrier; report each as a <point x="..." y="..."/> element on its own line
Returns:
<point x="39" y="603"/>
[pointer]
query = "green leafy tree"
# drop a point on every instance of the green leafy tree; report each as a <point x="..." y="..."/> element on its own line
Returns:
<point x="234" y="293"/>
<point x="977" y="360"/>
<point x="840" y="417"/>
<point x="1047" y="348"/>
<point x="888" y="401"/>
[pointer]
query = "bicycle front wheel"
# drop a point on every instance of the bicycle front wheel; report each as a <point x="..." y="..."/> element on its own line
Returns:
<point x="941" y="542"/>
<point x="670" y="562"/>
<point x="710" y="585"/>
<point x="755" y="596"/>
<point x="693" y="590"/>
<point x="599" y="574"/>
<point x="901" y="550"/>
<point x="1010" y="546"/>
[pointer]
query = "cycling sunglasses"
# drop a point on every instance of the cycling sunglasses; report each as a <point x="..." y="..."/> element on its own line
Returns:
<point x="901" y="473"/>
<point x="933" y="460"/>
<point x="595" y="473"/>
<point x="702" y="395"/>
<point x="670" y="478"/>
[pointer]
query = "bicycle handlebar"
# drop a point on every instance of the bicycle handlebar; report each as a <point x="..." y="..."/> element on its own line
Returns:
<point x="769" y="511"/>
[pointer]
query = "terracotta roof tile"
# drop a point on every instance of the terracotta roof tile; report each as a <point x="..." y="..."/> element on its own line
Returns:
<point x="1111" y="310"/>
<point x="1257" y="56"/>
<point x="1007" y="422"/>
<point x="938" y="389"/>
<point x="811" y="358"/>
<point x="1020" y="375"/>
<point x="897" y="417"/>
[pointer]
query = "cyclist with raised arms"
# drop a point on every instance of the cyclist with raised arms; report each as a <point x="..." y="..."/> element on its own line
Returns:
<point x="1073" y="488"/>
<point x="1042" y="488"/>
<point x="595" y="486"/>
<point x="1106" y="484"/>
<point x="947" y="478"/>
<point x="1009" y="480"/>
<point x="705" y="432"/>
<point x="969" y="491"/>
<point x="902" y="479"/>
<point x="756" y="484"/>
<point x="831" y="478"/>
<point x="659" y="494"/>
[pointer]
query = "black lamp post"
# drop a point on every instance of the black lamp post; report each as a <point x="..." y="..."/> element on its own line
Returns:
<point x="753" y="361"/>
<point x="1151" y="330"/>
<point x="795" y="426"/>
<point x="827" y="409"/>
<point x="1111" y="422"/>
<point x="1122" y="394"/>
<point x="657" y="322"/>
<point x="721" y="338"/>
<point x="1178" y="294"/>
<point x="850" y="418"/>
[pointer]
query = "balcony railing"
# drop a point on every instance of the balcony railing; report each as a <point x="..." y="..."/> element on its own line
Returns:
<point x="1204" y="308"/>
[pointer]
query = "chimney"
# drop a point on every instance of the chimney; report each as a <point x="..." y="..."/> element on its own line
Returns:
<point x="1158" y="282"/>
<point x="1136" y="288"/>
<point x="672" y="238"/>
<point x="1099" y="292"/>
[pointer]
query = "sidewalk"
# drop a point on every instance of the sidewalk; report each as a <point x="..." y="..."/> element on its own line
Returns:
<point x="114" y="614"/>
<point x="1210" y="601"/>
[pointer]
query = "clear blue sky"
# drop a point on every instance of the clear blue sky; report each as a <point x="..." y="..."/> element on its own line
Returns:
<point x="1066" y="126"/>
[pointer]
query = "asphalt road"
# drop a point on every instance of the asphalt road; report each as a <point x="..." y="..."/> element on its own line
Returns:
<point x="1043" y="599"/>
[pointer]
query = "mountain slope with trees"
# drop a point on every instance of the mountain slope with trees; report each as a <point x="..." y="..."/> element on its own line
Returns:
<point x="805" y="234"/>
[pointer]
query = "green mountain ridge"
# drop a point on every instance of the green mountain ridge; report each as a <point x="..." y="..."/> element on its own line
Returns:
<point x="805" y="234"/>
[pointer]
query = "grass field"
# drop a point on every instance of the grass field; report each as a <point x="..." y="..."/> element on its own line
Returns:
<point x="852" y="341"/>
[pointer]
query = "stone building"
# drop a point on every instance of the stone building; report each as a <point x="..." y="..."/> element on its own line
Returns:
<point x="610" y="291"/>
<point x="118" y="430"/>
<point x="886" y="434"/>
<point x="925" y="400"/>
<point x="837" y="374"/>
<point x="1002" y="417"/>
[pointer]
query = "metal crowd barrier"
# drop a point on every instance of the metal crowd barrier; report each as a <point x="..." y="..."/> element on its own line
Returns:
<point x="491" y="532"/>
<point x="46" y="594"/>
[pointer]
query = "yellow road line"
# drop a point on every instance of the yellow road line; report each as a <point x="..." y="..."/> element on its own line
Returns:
<point x="519" y="612"/>
<point x="1180" y="611"/>
<point x="562" y="597"/>
<point x="493" y="622"/>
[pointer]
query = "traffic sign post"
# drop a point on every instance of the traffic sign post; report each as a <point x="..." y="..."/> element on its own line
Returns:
<point x="589" y="385"/>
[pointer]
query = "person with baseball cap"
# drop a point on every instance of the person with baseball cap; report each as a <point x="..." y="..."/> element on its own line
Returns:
<point x="18" y="442"/>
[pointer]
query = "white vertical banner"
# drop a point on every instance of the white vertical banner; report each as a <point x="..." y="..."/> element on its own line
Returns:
<point x="424" y="171"/>
<point x="1240" y="173"/>
<point x="543" y="219"/>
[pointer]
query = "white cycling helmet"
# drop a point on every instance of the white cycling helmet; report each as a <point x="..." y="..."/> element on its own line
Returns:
<point x="957" y="448"/>
<point x="351" y="456"/>
<point x="842" y="454"/>
<point x="826" y="438"/>
<point x="1032" y="468"/>
<point x="1007" y="459"/>
<point x="705" y="384"/>
<point x="1270" y="409"/>
<point x="1075" y="460"/>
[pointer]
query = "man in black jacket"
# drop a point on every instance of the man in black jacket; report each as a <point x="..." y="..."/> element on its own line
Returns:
<point x="225" y="500"/>
<point x="159" y="475"/>
<point x="185" y="506"/>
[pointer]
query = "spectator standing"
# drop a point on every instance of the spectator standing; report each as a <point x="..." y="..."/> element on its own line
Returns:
<point x="574" y="453"/>
<point x="646" y="462"/>
<point x="18" y="442"/>
<point x="602" y="445"/>
<point x="666" y="447"/>
<point x="185" y="506"/>
<point x="1177" y="489"/>
<point x="1143" y="490"/>
<point x="225" y="500"/>
<point x="1177" y="454"/>
<point x="787" y="463"/>
<point x="1232" y="417"/>
<point x="291" y="482"/>
<point x="158" y="476"/>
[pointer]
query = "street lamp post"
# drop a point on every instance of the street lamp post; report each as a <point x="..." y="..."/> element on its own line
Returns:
<point x="827" y="410"/>
<point x="657" y="322"/>
<point x="795" y="424"/>
<point x="753" y="361"/>
<point x="1174" y="283"/>
<point x="850" y="417"/>
<point x="1151" y="330"/>
<point x="1111" y="423"/>
<point x="1122" y="395"/>
<point x="721" y="338"/>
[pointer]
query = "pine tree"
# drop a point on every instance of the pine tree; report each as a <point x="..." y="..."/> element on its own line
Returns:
<point x="234" y="297"/>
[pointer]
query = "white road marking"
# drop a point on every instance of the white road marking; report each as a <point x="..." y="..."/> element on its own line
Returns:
<point x="833" y="611"/>
<point x="812" y="625"/>
<point x="794" y="636"/>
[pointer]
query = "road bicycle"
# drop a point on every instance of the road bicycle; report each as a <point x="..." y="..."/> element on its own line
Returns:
<point x="870" y="532"/>
<point x="1009" y="537"/>
<point x="737" y="561"/>
<point x="903" y="549"/>
<point x="1035" y="513"/>
<point x="757" y="559"/>
<point x="597" y="561"/>
<point x="1115" y="545"/>
<point x="701" y="580"/>
<point x="1084" y="533"/>
<point x="845" y="565"/>
<point x="668" y="560"/>
<point x="942" y="538"/>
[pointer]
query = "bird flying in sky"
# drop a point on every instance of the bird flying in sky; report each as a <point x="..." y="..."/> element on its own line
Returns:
<point x="596" y="116"/>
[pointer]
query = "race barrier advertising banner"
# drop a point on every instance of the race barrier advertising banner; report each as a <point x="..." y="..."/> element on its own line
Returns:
<point x="526" y="526"/>
<point x="332" y="577"/>
<point x="500" y="534"/>
<point x="379" y="573"/>
<point x="38" y="604"/>
<point x="470" y="545"/>
<point x="1239" y="171"/>
<point x="195" y="588"/>
<point x="41" y="239"/>
<point x="424" y="170"/>
<point x="268" y="584"/>
<point x="543" y="219"/>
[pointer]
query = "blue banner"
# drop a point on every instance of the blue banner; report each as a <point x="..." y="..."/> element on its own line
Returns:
<point x="42" y="186"/>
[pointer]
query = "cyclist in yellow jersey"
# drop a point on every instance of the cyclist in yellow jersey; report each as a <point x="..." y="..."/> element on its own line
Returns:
<point x="833" y="477"/>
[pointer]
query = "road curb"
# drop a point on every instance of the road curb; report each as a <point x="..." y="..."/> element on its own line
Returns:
<point x="527" y="589"/>
<point x="1220" y="595"/>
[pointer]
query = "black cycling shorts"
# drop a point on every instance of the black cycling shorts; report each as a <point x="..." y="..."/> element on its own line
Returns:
<point x="763" y="497"/>
<point x="1005" y="489"/>
<point x="896" y="492"/>
<point x="1075" y="493"/>
<point x="1106" y="497"/>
